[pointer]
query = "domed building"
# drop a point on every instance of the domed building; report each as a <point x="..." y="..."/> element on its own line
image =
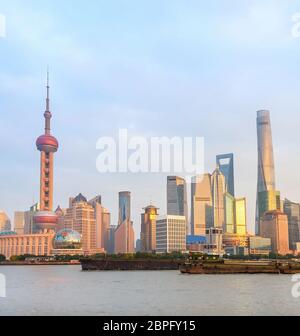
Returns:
<point x="67" y="241"/>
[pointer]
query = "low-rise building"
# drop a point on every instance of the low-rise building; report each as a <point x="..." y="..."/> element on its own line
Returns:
<point x="259" y="245"/>
<point x="39" y="244"/>
<point x="214" y="241"/>
<point x="195" y="243"/>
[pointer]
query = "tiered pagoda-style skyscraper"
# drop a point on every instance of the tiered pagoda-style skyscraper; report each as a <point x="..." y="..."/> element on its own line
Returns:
<point x="47" y="145"/>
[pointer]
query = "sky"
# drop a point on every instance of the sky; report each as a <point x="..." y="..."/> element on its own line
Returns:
<point x="156" y="68"/>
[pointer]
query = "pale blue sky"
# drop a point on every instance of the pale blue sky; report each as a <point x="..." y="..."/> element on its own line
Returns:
<point x="163" y="68"/>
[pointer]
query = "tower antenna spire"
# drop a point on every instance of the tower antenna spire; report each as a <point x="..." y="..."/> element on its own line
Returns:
<point x="48" y="87"/>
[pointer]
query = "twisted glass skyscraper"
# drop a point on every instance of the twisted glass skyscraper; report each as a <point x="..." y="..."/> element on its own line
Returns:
<point x="266" y="174"/>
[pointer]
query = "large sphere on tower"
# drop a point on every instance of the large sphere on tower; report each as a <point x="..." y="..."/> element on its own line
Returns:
<point x="47" y="143"/>
<point x="45" y="220"/>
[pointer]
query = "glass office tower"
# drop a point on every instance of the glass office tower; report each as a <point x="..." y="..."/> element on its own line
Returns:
<point x="266" y="174"/>
<point x="225" y="163"/>
<point x="201" y="205"/>
<point x="177" y="197"/>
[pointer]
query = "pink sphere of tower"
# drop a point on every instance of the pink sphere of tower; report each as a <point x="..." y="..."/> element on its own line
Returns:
<point x="47" y="143"/>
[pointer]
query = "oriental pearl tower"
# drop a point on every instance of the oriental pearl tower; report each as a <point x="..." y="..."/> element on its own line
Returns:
<point x="45" y="218"/>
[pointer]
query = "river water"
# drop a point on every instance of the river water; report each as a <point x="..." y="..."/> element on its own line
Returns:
<point x="66" y="290"/>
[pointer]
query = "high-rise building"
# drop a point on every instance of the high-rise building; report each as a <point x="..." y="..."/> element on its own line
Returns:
<point x="229" y="206"/>
<point x="201" y="205"/>
<point x="19" y="222"/>
<point x="177" y="197"/>
<point x="225" y="163"/>
<point x="240" y="216"/>
<point x="111" y="242"/>
<point x="47" y="145"/>
<point x="218" y="187"/>
<point x="5" y="224"/>
<point x="124" y="233"/>
<point x="274" y="225"/>
<point x="266" y="173"/>
<point x="230" y="223"/>
<point x="148" y="229"/>
<point x="171" y="234"/>
<point x="80" y="217"/>
<point x="292" y="210"/>
<point x="235" y="215"/>
<point x="60" y="213"/>
<point x="267" y="200"/>
<point x="29" y="226"/>
<point x="102" y="217"/>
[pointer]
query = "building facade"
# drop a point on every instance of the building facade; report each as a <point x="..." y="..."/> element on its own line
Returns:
<point x="292" y="210"/>
<point x="226" y="165"/>
<point x="35" y="244"/>
<point x="111" y="242"/>
<point x="171" y="234"/>
<point x="102" y="218"/>
<point x="177" y="197"/>
<point x="5" y="224"/>
<point x="124" y="233"/>
<point x="148" y="229"/>
<point x="274" y="225"/>
<point x="80" y="217"/>
<point x="218" y="187"/>
<point x="19" y="222"/>
<point x="202" y="215"/>
<point x="214" y="242"/>
<point x="29" y="226"/>
<point x="265" y="171"/>
<point x="267" y="201"/>
<point x="259" y="245"/>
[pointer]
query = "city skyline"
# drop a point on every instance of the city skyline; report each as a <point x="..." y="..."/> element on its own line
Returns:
<point x="96" y="94"/>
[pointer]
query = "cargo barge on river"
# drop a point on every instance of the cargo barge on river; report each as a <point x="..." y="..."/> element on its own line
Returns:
<point x="90" y="264"/>
<point x="239" y="267"/>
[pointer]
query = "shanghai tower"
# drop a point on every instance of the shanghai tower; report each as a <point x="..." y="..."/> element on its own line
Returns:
<point x="266" y="174"/>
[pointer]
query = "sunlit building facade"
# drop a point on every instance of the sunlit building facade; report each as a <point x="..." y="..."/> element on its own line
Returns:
<point x="148" y="229"/>
<point x="274" y="225"/>
<point x="202" y="215"/>
<point x="240" y="216"/>
<point x="5" y="223"/>
<point x="102" y="218"/>
<point x="39" y="244"/>
<point x="230" y="222"/>
<point x="265" y="172"/>
<point x="259" y="245"/>
<point x="267" y="201"/>
<point x="80" y="217"/>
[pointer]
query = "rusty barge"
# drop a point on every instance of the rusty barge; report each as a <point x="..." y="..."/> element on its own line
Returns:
<point x="240" y="267"/>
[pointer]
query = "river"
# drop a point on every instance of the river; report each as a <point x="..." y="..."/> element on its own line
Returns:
<point x="66" y="290"/>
